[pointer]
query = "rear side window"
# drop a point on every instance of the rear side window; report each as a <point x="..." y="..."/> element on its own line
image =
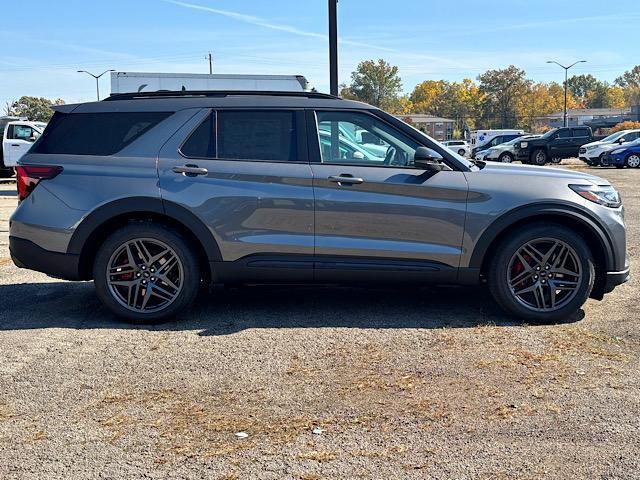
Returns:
<point x="257" y="135"/>
<point x="580" y="132"/>
<point x="201" y="143"/>
<point x="95" y="133"/>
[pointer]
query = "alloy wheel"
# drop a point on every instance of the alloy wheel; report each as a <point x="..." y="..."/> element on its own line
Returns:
<point x="544" y="274"/>
<point x="145" y="275"/>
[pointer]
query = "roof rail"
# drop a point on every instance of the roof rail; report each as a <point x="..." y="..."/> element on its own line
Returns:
<point x="214" y="93"/>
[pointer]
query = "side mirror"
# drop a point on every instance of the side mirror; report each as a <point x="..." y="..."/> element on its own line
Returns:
<point x="428" y="159"/>
<point x="621" y="140"/>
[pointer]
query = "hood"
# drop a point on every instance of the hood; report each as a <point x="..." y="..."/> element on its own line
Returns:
<point x="596" y="144"/>
<point x="531" y="170"/>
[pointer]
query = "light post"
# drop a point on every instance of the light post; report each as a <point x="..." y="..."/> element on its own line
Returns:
<point x="97" y="77"/>
<point x="566" y="79"/>
<point x="333" y="47"/>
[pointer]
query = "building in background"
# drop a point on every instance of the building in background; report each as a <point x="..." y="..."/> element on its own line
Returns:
<point x="593" y="117"/>
<point x="436" y="127"/>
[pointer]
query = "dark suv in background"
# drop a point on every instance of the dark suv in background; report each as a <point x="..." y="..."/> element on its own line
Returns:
<point x="554" y="145"/>
<point x="154" y="195"/>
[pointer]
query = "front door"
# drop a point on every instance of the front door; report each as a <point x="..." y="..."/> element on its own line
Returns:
<point x="376" y="212"/>
<point x="245" y="175"/>
<point x="561" y="144"/>
<point x="18" y="142"/>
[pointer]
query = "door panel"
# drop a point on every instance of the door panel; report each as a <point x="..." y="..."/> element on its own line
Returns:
<point x="251" y="207"/>
<point x="376" y="213"/>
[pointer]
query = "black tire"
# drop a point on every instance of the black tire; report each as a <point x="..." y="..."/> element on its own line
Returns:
<point x="619" y="166"/>
<point x="539" y="157"/>
<point x="498" y="272"/>
<point x="506" y="158"/>
<point x="461" y="152"/>
<point x="6" y="173"/>
<point x="183" y="251"/>
<point x="556" y="160"/>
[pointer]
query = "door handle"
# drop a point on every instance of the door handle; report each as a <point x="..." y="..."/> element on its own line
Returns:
<point x="190" y="170"/>
<point x="15" y="144"/>
<point x="346" y="179"/>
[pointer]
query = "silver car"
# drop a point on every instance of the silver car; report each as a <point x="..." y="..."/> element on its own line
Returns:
<point x="154" y="195"/>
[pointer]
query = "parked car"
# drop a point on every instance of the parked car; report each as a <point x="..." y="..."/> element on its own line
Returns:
<point x="461" y="147"/>
<point x="554" y="145"/>
<point x="16" y="141"/>
<point x="592" y="153"/>
<point x="625" y="155"/>
<point x="485" y="139"/>
<point x="155" y="195"/>
<point x="505" y="152"/>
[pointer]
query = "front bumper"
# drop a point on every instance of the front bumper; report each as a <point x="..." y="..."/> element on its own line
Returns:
<point x="616" y="278"/>
<point x="615" y="160"/>
<point x="26" y="254"/>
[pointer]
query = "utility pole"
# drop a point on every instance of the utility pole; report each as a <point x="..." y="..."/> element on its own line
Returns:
<point x="210" y="63"/>
<point x="333" y="47"/>
<point x="566" y="84"/>
<point x="97" y="77"/>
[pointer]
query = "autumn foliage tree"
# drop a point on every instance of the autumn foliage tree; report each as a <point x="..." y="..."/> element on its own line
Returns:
<point x="625" y="126"/>
<point x="33" y="108"/>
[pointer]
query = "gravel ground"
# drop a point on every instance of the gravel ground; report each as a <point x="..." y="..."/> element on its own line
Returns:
<point x="430" y="383"/>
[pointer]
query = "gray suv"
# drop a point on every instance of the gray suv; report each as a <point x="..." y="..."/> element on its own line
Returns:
<point x="155" y="195"/>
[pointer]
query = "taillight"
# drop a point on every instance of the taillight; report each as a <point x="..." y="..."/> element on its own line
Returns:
<point x="28" y="177"/>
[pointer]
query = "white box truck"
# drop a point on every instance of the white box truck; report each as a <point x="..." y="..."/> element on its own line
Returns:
<point x="136" y="82"/>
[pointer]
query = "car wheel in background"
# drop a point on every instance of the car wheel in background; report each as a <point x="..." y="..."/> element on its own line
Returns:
<point x="146" y="273"/>
<point x="556" y="160"/>
<point x="461" y="152"/>
<point x="539" y="157"/>
<point x="633" y="161"/>
<point x="543" y="273"/>
<point x="506" y="158"/>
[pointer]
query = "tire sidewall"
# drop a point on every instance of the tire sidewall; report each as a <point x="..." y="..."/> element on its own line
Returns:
<point x="534" y="157"/>
<point x="505" y="156"/>
<point x="498" y="272"/>
<point x="173" y="239"/>
<point x="629" y="157"/>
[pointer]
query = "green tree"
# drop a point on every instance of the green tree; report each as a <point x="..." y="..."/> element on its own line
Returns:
<point x="37" y="109"/>
<point x="630" y="78"/>
<point x="501" y="90"/>
<point x="581" y="85"/>
<point x="376" y="83"/>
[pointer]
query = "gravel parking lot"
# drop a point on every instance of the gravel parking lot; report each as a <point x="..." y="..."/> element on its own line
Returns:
<point x="411" y="383"/>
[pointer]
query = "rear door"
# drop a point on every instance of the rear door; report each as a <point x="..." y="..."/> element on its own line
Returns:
<point x="580" y="136"/>
<point x="245" y="175"/>
<point x="380" y="214"/>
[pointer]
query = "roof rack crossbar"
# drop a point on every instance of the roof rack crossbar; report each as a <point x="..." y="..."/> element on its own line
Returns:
<point x="214" y="93"/>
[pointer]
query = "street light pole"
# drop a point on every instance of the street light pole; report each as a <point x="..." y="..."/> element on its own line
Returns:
<point x="566" y="83"/>
<point x="333" y="47"/>
<point x="97" y="77"/>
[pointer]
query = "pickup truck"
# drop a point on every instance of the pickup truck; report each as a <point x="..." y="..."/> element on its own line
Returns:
<point x="17" y="139"/>
<point x="554" y="145"/>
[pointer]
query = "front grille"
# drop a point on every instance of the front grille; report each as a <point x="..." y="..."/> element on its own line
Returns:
<point x="583" y="150"/>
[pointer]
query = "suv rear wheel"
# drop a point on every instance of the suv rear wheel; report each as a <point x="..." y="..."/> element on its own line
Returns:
<point x="544" y="273"/>
<point x="146" y="273"/>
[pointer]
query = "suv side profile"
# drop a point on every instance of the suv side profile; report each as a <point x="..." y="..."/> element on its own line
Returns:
<point x="554" y="145"/>
<point x="154" y="195"/>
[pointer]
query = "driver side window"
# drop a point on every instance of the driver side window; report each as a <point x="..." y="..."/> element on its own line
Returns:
<point x="354" y="138"/>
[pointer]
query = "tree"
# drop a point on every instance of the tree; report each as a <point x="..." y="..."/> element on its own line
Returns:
<point x="630" y="78"/>
<point x="427" y="97"/>
<point x="581" y="85"/>
<point x="376" y="83"/>
<point x="541" y="99"/>
<point x="625" y="126"/>
<point x="33" y="108"/>
<point x="605" y="96"/>
<point x="501" y="90"/>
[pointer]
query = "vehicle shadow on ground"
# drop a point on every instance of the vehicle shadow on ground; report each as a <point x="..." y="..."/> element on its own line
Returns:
<point x="226" y="311"/>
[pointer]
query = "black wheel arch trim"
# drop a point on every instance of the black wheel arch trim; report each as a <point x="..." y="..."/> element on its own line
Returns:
<point x="533" y="210"/>
<point x="137" y="205"/>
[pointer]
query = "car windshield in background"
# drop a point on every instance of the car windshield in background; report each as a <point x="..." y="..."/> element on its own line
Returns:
<point x="613" y="137"/>
<point x="550" y="133"/>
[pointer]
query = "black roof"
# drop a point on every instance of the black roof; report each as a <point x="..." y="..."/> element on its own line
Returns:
<point x="174" y="101"/>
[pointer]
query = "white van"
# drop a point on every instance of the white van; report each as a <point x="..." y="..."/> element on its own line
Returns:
<point x="16" y="141"/>
<point x="483" y="139"/>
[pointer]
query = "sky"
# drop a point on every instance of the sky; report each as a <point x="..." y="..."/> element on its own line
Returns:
<point x="46" y="42"/>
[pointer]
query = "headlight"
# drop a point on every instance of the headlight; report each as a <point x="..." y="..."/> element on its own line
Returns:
<point x="601" y="194"/>
<point x="524" y="144"/>
<point x="592" y="147"/>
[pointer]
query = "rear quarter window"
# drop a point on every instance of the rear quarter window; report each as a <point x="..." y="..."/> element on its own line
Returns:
<point x="100" y="134"/>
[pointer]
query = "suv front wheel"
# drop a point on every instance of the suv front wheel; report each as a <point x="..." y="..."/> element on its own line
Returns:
<point x="146" y="273"/>
<point x="544" y="273"/>
<point x="539" y="157"/>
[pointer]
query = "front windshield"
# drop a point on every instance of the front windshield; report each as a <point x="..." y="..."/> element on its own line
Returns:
<point x="549" y="133"/>
<point x="613" y="137"/>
